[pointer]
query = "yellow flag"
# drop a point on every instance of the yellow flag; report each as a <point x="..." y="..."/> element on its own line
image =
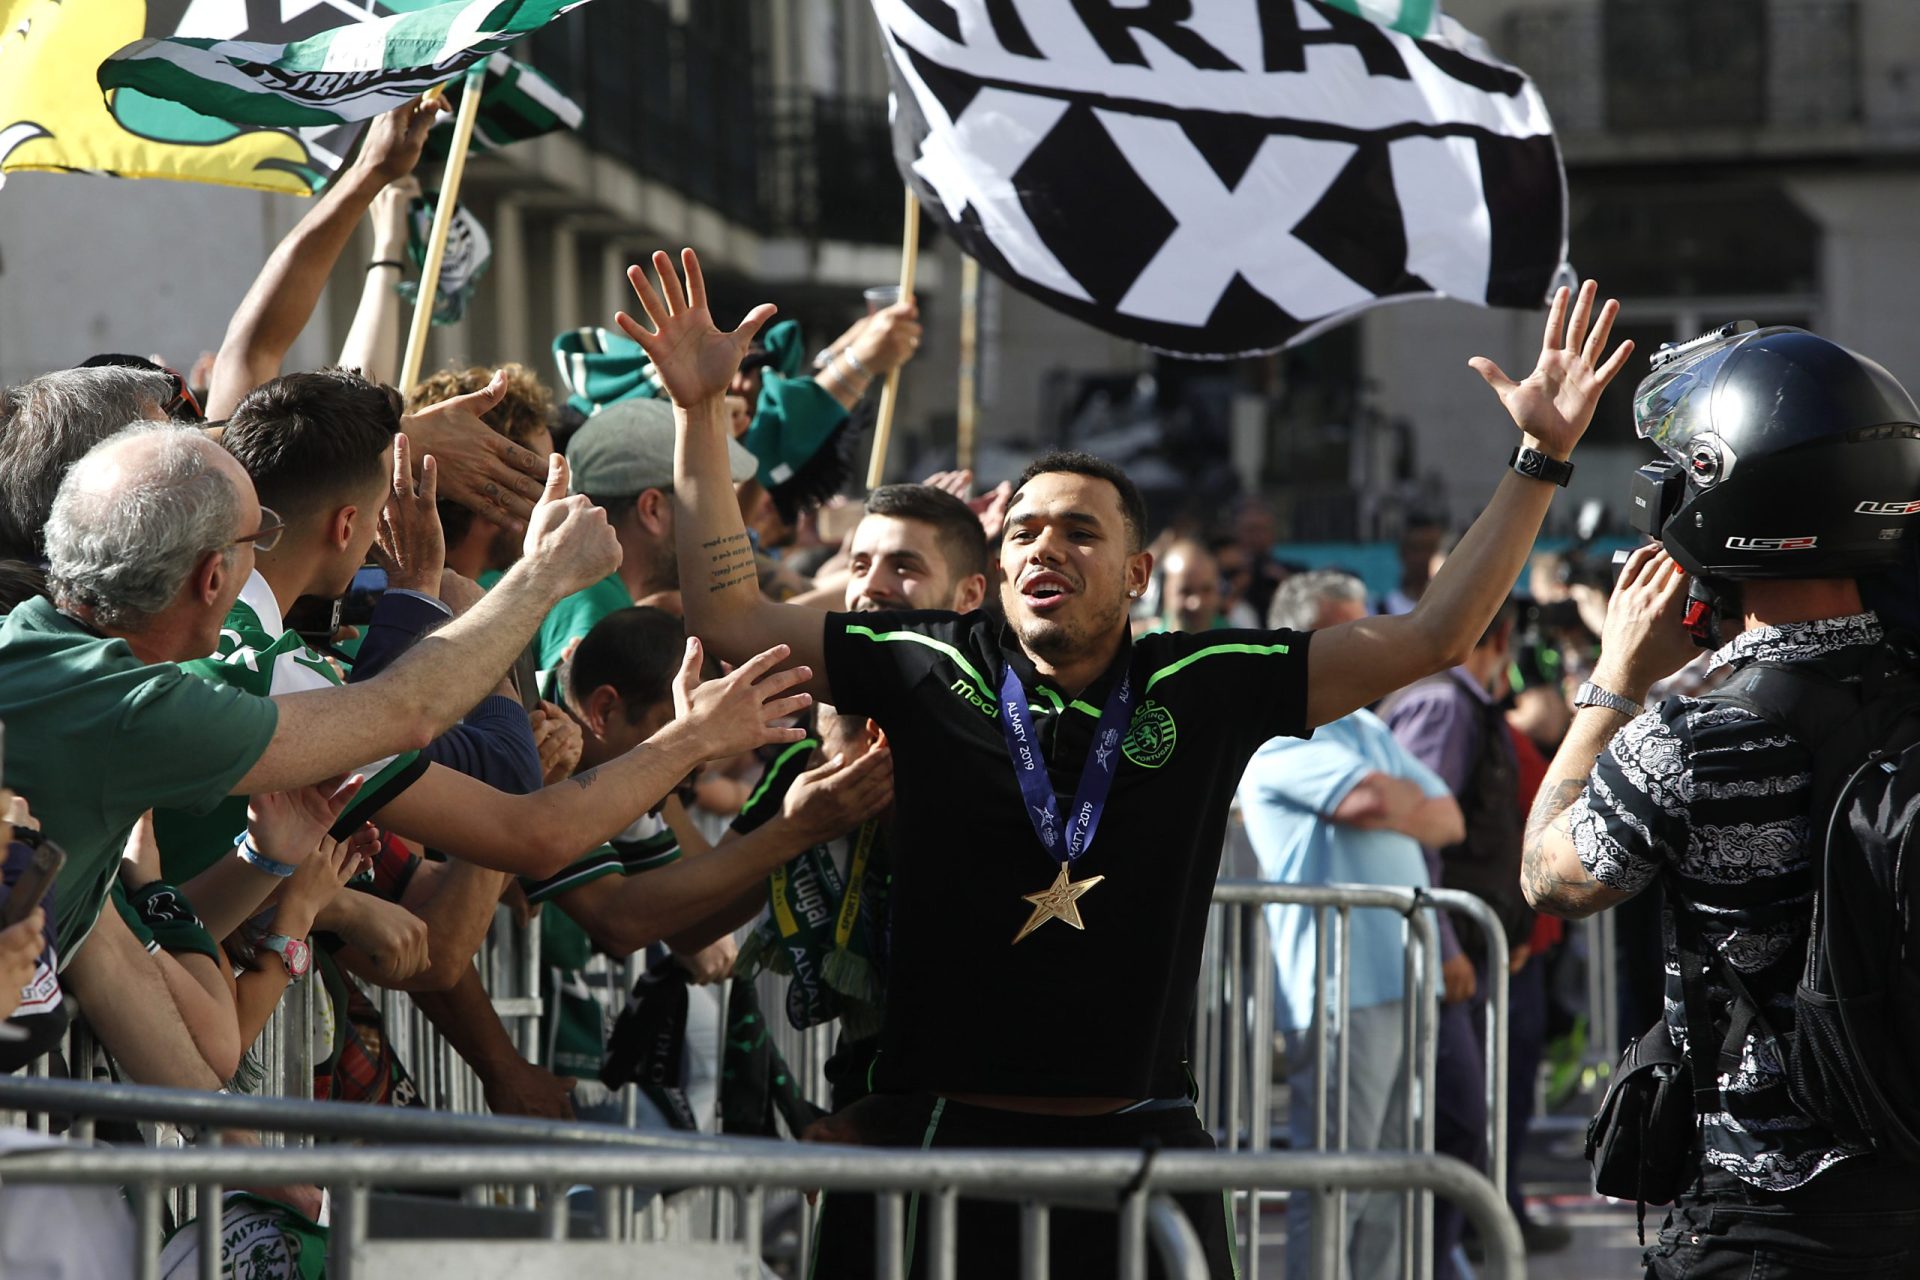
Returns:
<point x="53" y="115"/>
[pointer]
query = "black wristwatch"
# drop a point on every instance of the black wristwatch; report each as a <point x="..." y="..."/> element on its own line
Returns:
<point x="1535" y="465"/>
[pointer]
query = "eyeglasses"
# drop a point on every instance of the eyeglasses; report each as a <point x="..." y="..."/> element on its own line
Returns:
<point x="268" y="536"/>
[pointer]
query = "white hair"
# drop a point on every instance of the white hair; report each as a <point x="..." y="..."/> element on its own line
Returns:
<point x="1296" y="605"/>
<point x="124" y="549"/>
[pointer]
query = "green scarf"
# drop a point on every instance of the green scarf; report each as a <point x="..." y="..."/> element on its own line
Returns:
<point x="827" y="935"/>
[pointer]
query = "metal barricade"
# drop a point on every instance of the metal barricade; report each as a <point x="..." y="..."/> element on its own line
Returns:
<point x="1234" y="1040"/>
<point x="738" y="1171"/>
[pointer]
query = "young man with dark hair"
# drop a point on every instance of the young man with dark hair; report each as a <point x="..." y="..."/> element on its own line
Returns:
<point x="1062" y="790"/>
<point x="917" y="547"/>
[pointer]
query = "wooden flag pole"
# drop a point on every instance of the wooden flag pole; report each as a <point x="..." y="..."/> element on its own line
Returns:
<point x="967" y="405"/>
<point x="890" y="395"/>
<point x="442" y="224"/>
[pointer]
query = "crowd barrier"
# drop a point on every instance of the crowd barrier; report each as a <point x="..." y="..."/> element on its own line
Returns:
<point x="1233" y="1056"/>
<point x="549" y="1158"/>
<point x="1235" y="1043"/>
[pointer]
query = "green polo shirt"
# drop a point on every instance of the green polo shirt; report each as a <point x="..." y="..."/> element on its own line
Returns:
<point x="574" y="616"/>
<point x="95" y="738"/>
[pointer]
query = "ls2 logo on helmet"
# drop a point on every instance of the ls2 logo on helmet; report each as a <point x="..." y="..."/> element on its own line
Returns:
<point x="1887" y="508"/>
<point x="1772" y="544"/>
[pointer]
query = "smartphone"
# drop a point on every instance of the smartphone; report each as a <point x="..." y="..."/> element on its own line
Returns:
<point x="29" y="890"/>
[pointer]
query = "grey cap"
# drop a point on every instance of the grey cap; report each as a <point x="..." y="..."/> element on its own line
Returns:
<point x="627" y="448"/>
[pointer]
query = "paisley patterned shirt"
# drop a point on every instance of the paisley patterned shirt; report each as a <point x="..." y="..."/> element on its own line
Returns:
<point x="1716" y="800"/>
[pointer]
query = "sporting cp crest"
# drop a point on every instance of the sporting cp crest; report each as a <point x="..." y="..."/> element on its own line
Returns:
<point x="1150" y="741"/>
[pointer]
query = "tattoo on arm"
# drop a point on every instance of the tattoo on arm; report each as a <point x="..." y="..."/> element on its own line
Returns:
<point x="585" y="781"/>
<point x="730" y="562"/>
<point x="1542" y="885"/>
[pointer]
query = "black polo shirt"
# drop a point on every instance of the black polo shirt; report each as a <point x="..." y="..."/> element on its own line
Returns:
<point x="1101" y="1012"/>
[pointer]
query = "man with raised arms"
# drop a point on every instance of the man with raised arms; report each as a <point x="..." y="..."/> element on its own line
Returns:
<point x="1061" y="790"/>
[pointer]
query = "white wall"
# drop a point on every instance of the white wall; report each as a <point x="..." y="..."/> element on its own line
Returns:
<point x="90" y="265"/>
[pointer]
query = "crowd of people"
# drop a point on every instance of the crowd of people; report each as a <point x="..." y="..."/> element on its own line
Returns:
<point x="303" y="676"/>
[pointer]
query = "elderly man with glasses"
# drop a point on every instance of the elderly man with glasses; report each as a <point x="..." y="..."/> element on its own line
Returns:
<point x="151" y="537"/>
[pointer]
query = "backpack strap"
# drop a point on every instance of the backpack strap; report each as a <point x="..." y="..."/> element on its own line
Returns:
<point x="1695" y="960"/>
<point x="1811" y="699"/>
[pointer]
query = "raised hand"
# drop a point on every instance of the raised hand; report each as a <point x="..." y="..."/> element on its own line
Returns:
<point x="889" y="339"/>
<point x="1643" y="639"/>
<point x="286" y="826"/>
<point x="410" y="544"/>
<point x="694" y="359"/>
<point x="1555" y="402"/>
<point x="570" y="537"/>
<point x="557" y="737"/>
<point x="395" y="140"/>
<point x="314" y="884"/>
<point x="834" y="797"/>
<point x="389" y="216"/>
<point x="741" y="710"/>
<point x="479" y="468"/>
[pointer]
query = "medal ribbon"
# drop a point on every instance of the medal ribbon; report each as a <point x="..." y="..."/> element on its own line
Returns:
<point x="1064" y="841"/>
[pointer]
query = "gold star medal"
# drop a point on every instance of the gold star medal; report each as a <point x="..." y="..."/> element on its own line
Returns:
<point x="1058" y="901"/>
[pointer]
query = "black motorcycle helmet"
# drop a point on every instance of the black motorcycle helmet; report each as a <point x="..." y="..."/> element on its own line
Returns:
<point x="1787" y="456"/>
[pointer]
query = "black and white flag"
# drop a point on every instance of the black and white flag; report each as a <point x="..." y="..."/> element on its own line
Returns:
<point x="1224" y="178"/>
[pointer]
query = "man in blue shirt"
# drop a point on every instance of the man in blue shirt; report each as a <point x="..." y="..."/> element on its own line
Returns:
<point x="1348" y="806"/>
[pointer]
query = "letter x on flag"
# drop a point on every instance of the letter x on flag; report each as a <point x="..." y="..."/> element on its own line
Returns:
<point x="1226" y="178"/>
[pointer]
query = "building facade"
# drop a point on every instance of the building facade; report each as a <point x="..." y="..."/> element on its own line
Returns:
<point x="1726" y="159"/>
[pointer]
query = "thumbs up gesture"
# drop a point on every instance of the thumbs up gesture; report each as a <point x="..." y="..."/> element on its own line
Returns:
<point x="569" y="541"/>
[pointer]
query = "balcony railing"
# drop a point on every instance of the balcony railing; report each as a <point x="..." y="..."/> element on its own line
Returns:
<point x="684" y="103"/>
<point x="1635" y="67"/>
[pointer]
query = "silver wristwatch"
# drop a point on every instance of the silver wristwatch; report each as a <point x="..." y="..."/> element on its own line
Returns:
<point x="1592" y="695"/>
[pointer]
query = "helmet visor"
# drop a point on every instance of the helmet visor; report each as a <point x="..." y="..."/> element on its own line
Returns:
<point x="1670" y="404"/>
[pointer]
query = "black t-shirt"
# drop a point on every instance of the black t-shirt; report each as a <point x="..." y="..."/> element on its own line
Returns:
<point x="1101" y="1012"/>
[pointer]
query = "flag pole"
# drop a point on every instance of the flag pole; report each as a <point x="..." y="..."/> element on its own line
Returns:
<point x="968" y="407"/>
<point x="442" y="223"/>
<point x="890" y="395"/>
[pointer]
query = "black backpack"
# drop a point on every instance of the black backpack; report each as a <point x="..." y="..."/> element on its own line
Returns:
<point x="1854" y="1060"/>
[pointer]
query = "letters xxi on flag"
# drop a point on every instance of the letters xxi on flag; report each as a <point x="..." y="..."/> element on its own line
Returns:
<point x="349" y="73"/>
<point x="1225" y="178"/>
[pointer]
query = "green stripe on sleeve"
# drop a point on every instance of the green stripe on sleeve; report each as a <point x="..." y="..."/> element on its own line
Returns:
<point x="914" y="637"/>
<point x="773" y="771"/>
<point x="1256" y="650"/>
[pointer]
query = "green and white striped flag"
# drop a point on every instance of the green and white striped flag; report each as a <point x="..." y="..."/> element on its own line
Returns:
<point x="517" y="103"/>
<point x="353" y="72"/>
<point x="1416" y="18"/>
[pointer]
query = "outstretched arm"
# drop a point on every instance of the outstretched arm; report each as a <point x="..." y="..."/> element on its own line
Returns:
<point x="719" y="582"/>
<point x="282" y="298"/>
<point x="373" y="339"/>
<point x="537" y="835"/>
<point x="569" y="545"/>
<point x="696" y="901"/>
<point x="1357" y="663"/>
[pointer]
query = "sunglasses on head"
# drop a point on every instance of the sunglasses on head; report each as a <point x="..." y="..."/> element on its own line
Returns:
<point x="182" y="406"/>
